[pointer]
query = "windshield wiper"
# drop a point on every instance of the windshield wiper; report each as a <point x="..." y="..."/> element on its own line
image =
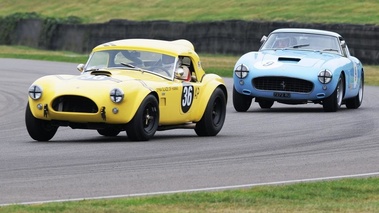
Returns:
<point x="134" y="67"/>
<point x="129" y="65"/>
<point x="300" y="45"/>
<point x="334" y="50"/>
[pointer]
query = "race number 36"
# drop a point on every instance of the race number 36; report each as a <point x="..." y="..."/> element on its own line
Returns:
<point x="187" y="97"/>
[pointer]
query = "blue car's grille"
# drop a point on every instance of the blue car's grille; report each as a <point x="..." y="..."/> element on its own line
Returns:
<point x="283" y="84"/>
<point x="72" y="103"/>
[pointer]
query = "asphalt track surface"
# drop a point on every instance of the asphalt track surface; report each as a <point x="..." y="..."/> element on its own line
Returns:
<point x="282" y="145"/>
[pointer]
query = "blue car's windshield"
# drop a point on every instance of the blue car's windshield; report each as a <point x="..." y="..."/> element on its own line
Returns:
<point x="316" y="42"/>
<point x="159" y="63"/>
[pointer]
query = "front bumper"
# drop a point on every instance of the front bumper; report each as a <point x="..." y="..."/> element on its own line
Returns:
<point x="279" y="88"/>
<point x="80" y="109"/>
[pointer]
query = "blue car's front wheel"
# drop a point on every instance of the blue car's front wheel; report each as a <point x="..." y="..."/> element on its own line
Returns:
<point x="241" y="102"/>
<point x="265" y="104"/>
<point x="334" y="101"/>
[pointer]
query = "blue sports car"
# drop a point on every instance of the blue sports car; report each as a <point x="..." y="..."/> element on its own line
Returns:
<point x="299" y="66"/>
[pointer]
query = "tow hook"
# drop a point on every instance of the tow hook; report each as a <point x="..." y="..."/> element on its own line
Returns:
<point x="103" y="116"/>
<point x="45" y="110"/>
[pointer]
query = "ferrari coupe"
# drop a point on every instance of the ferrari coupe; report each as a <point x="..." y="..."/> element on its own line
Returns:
<point x="299" y="66"/>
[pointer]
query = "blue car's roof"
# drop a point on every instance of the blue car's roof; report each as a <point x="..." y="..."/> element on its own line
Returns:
<point x="301" y="30"/>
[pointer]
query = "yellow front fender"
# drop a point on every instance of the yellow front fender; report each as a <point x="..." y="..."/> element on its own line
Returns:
<point x="210" y="83"/>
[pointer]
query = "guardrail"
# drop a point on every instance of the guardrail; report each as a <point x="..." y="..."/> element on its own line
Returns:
<point x="221" y="37"/>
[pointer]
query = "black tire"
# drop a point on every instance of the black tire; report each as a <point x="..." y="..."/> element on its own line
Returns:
<point x="264" y="104"/>
<point x="145" y="122"/>
<point x="334" y="101"/>
<point x="109" y="132"/>
<point x="39" y="130"/>
<point x="241" y="102"/>
<point x="214" y="116"/>
<point x="356" y="102"/>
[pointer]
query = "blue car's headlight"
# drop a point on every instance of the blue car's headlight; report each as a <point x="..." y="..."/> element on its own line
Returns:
<point x="241" y="71"/>
<point x="325" y="76"/>
<point x="117" y="95"/>
<point x="35" y="92"/>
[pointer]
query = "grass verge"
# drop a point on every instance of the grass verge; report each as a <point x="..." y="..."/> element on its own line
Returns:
<point x="95" y="11"/>
<point x="345" y="195"/>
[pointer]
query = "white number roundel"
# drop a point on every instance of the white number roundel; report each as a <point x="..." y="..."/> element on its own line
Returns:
<point x="187" y="97"/>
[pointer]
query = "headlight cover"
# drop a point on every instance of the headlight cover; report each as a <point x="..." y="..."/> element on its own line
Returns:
<point x="35" y="92"/>
<point x="325" y="76"/>
<point x="116" y="95"/>
<point x="241" y="71"/>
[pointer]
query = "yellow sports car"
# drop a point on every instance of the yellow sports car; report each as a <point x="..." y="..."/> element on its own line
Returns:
<point x="133" y="85"/>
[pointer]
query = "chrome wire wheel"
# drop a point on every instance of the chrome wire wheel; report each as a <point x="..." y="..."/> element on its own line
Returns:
<point x="334" y="101"/>
<point x="339" y="92"/>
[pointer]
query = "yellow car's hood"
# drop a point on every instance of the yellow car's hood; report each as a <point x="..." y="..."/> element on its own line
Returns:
<point x="98" y="84"/>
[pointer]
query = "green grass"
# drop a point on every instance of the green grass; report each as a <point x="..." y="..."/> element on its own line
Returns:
<point x="23" y="52"/>
<point x="346" y="195"/>
<point x="219" y="64"/>
<point x="325" y="11"/>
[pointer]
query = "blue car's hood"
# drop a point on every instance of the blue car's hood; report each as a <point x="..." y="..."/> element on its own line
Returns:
<point x="300" y="58"/>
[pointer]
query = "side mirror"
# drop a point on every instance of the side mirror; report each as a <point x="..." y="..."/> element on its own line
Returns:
<point x="80" y="67"/>
<point x="343" y="44"/>
<point x="263" y="39"/>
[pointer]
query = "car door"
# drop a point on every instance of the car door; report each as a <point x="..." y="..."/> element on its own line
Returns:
<point x="353" y="75"/>
<point x="178" y="102"/>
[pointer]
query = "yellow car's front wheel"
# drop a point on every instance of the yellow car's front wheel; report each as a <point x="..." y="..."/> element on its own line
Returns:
<point x="145" y="122"/>
<point x="39" y="130"/>
<point x="109" y="131"/>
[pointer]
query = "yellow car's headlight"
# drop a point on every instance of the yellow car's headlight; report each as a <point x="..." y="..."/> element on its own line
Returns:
<point x="35" y="92"/>
<point x="116" y="95"/>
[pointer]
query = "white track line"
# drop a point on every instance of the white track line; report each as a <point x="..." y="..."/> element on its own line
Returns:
<point x="201" y="189"/>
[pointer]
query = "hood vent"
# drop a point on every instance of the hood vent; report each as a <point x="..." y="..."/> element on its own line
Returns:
<point x="286" y="59"/>
<point x="101" y="72"/>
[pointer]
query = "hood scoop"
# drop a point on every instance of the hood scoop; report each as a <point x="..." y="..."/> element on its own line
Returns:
<point x="101" y="72"/>
<point x="289" y="60"/>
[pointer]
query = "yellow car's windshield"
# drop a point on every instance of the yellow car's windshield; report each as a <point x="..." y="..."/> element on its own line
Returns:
<point x="159" y="63"/>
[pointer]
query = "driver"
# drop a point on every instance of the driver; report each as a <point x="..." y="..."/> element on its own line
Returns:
<point x="282" y="43"/>
<point x="184" y="64"/>
<point x="168" y="62"/>
<point x="165" y="65"/>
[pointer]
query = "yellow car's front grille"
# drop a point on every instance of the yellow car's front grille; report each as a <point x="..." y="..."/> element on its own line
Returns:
<point x="73" y="103"/>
